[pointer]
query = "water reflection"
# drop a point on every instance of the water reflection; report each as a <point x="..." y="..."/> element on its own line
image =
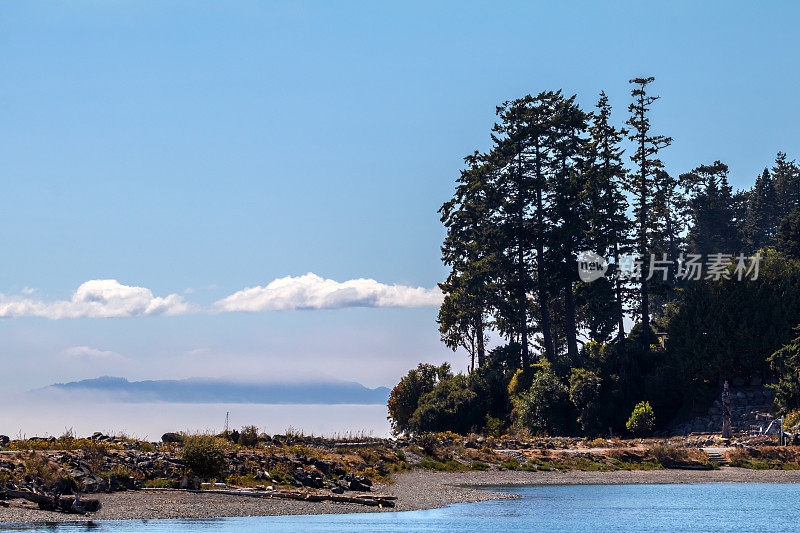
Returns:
<point x="619" y="508"/>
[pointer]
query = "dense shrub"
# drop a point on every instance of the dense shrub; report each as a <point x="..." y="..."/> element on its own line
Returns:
<point x="40" y="468"/>
<point x="493" y="427"/>
<point x="786" y="363"/>
<point x="205" y="456"/>
<point x="642" y="420"/>
<point x="405" y="396"/>
<point x="490" y="384"/>
<point x="248" y="436"/>
<point x="429" y="443"/>
<point x="729" y="328"/>
<point x="669" y="455"/>
<point x="791" y="422"/>
<point x="545" y="408"/>
<point x="94" y="453"/>
<point x="584" y="392"/>
<point x="522" y="379"/>
<point x="450" y="406"/>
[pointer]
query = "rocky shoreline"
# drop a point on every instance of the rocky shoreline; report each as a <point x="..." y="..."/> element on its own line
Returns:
<point x="415" y="490"/>
<point x="282" y="474"/>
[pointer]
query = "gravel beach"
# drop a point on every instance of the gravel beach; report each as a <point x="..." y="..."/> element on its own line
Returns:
<point x="414" y="490"/>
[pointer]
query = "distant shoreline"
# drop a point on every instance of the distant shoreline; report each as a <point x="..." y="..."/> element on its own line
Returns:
<point x="417" y="490"/>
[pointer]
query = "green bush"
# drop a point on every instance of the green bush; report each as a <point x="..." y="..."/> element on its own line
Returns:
<point x="786" y="363"/>
<point x="545" y="408"/>
<point x="448" y="465"/>
<point x="522" y="379"/>
<point x="405" y="396"/>
<point x="248" y="436"/>
<point x="450" y="406"/>
<point x="584" y="392"/>
<point x="642" y="420"/>
<point x="730" y="328"/>
<point x="791" y="422"/>
<point x="493" y="427"/>
<point x="429" y="443"/>
<point x="160" y="483"/>
<point x="205" y="456"/>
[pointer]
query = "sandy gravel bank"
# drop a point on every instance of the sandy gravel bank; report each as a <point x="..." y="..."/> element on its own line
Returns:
<point x="414" y="490"/>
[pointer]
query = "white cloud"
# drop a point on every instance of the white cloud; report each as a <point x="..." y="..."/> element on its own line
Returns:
<point x="314" y="292"/>
<point x="76" y="352"/>
<point x="108" y="298"/>
<point x="28" y="290"/>
<point x="99" y="298"/>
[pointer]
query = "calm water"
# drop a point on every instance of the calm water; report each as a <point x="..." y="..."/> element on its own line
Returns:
<point x="701" y="507"/>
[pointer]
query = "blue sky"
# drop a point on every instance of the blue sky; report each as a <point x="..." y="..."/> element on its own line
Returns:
<point x="199" y="148"/>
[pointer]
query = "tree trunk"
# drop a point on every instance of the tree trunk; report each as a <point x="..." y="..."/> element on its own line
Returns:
<point x="522" y="297"/>
<point x="472" y="363"/>
<point x="618" y="284"/>
<point x="66" y="504"/>
<point x="522" y="301"/>
<point x="480" y="346"/>
<point x="544" y="308"/>
<point x="645" y="308"/>
<point x="569" y="318"/>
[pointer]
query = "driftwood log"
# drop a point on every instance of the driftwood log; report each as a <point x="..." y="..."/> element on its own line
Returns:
<point x="373" y="500"/>
<point x="65" y="504"/>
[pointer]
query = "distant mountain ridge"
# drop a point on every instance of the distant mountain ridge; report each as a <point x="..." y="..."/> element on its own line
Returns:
<point x="216" y="391"/>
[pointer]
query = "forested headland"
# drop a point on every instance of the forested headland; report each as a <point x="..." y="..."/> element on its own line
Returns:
<point x="700" y="284"/>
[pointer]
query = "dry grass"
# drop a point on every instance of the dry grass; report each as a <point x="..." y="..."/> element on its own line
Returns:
<point x="766" y="458"/>
<point x="40" y="467"/>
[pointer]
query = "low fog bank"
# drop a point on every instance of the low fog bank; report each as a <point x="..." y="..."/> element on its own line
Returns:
<point x="26" y="415"/>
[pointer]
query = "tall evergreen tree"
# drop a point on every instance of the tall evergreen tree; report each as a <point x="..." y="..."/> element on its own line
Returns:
<point x="468" y="251"/>
<point x="643" y="182"/>
<point x="567" y="217"/>
<point x="787" y="241"/>
<point x="761" y="223"/>
<point x="539" y="116"/>
<point x="714" y="228"/>
<point x="670" y="209"/>
<point x="608" y="224"/>
<point x="517" y="189"/>
<point x="787" y="185"/>
<point x="523" y="152"/>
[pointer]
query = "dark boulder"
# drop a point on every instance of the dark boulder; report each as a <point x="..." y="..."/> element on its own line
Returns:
<point x="189" y="482"/>
<point x="357" y="483"/>
<point x="171" y="438"/>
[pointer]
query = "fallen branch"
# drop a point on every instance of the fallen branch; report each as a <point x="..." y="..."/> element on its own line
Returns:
<point x="371" y="500"/>
<point x="65" y="504"/>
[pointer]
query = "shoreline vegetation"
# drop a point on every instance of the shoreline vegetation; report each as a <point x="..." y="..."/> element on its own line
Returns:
<point x="364" y="475"/>
<point x="596" y="292"/>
